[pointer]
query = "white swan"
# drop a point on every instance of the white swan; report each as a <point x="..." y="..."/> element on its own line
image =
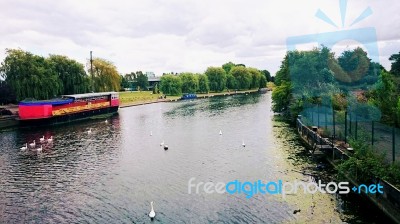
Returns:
<point x="162" y="143"/>
<point x="106" y="121"/>
<point x="50" y="139"/>
<point x="24" y="147"/>
<point x="39" y="149"/>
<point x="220" y="132"/>
<point x="90" y="131"/>
<point x="244" y="145"/>
<point x="42" y="139"/>
<point x="152" y="213"/>
<point x="33" y="144"/>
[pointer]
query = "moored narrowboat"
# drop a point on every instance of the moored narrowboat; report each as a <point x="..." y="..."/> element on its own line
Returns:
<point x="67" y="108"/>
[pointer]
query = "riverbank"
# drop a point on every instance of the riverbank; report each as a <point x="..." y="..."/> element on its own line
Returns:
<point x="141" y="98"/>
<point x="388" y="202"/>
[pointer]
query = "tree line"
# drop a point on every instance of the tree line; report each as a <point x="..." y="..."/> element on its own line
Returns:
<point x="229" y="76"/>
<point x="24" y="75"/>
<point x="318" y="77"/>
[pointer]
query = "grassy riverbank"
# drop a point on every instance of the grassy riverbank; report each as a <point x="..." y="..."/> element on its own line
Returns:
<point x="144" y="97"/>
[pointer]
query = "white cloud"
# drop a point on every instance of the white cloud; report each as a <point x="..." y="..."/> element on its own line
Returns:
<point x="179" y="35"/>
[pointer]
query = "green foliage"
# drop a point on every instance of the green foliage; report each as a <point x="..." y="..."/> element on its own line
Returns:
<point x="366" y="164"/>
<point x="217" y="78"/>
<point x="171" y="85"/>
<point x="30" y="76"/>
<point x="255" y="77"/>
<point x="386" y="97"/>
<point x="155" y="89"/>
<point x="228" y="67"/>
<point x="6" y="94"/>
<point x="242" y="76"/>
<point x="190" y="82"/>
<point x="203" y="84"/>
<point x="267" y="75"/>
<point x="142" y="80"/>
<point x="105" y="76"/>
<point x="231" y="82"/>
<point x="263" y="82"/>
<point x="395" y="67"/>
<point x="71" y="73"/>
<point x="281" y="97"/>
<point x="124" y="82"/>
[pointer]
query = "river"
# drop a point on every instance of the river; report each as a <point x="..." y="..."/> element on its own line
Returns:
<point x="112" y="174"/>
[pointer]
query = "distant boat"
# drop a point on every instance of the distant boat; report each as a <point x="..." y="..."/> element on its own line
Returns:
<point x="188" y="96"/>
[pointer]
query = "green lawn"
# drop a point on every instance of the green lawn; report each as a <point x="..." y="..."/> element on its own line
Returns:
<point x="140" y="97"/>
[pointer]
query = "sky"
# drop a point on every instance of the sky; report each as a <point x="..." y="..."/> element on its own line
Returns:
<point x="189" y="36"/>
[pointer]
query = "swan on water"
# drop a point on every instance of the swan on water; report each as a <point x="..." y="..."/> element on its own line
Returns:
<point x="50" y="139"/>
<point x="24" y="147"/>
<point x="42" y="139"/>
<point x="90" y="131"/>
<point x="152" y="213"/>
<point x="33" y="144"/>
<point x="106" y="121"/>
<point x="244" y="145"/>
<point x="220" y="132"/>
<point x="39" y="149"/>
<point x="151" y="133"/>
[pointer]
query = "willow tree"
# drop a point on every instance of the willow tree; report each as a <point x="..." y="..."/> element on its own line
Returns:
<point x="71" y="73"/>
<point x="105" y="76"/>
<point x="30" y="76"/>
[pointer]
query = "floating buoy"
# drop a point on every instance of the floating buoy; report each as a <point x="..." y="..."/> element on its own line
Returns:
<point x="166" y="147"/>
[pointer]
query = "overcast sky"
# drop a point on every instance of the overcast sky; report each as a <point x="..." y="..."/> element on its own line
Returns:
<point x="183" y="35"/>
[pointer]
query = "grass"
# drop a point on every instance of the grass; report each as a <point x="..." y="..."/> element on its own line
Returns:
<point x="148" y="96"/>
<point x="140" y="97"/>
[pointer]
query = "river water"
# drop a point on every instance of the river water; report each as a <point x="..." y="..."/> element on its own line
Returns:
<point x="112" y="174"/>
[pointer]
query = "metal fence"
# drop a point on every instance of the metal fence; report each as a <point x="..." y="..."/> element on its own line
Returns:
<point x="343" y="126"/>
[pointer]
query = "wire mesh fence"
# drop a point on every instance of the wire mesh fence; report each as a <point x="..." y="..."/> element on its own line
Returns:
<point x="343" y="126"/>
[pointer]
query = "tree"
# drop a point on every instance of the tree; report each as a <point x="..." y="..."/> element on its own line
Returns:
<point x="217" y="78"/>
<point x="155" y="89"/>
<point x="124" y="82"/>
<point x="6" y="94"/>
<point x="281" y="97"/>
<point x="385" y="97"/>
<point x="30" y="76"/>
<point x="190" y="83"/>
<point x="263" y="82"/>
<point x="142" y="80"/>
<point x="242" y="77"/>
<point x="255" y="77"/>
<point x="228" y="66"/>
<point x="105" y="76"/>
<point x="171" y="85"/>
<point x="231" y="82"/>
<point x="395" y="67"/>
<point x="267" y="75"/>
<point x="71" y="73"/>
<point x="203" y="84"/>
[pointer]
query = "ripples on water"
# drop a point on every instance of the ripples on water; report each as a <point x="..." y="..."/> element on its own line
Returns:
<point x="111" y="175"/>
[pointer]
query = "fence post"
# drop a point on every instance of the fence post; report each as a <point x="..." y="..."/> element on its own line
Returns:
<point x="372" y="134"/>
<point x="318" y="115"/>
<point x="356" y="129"/>
<point x="334" y="123"/>
<point x="326" y="118"/>
<point x="345" y="127"/>
<point x="393" y="143"/>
